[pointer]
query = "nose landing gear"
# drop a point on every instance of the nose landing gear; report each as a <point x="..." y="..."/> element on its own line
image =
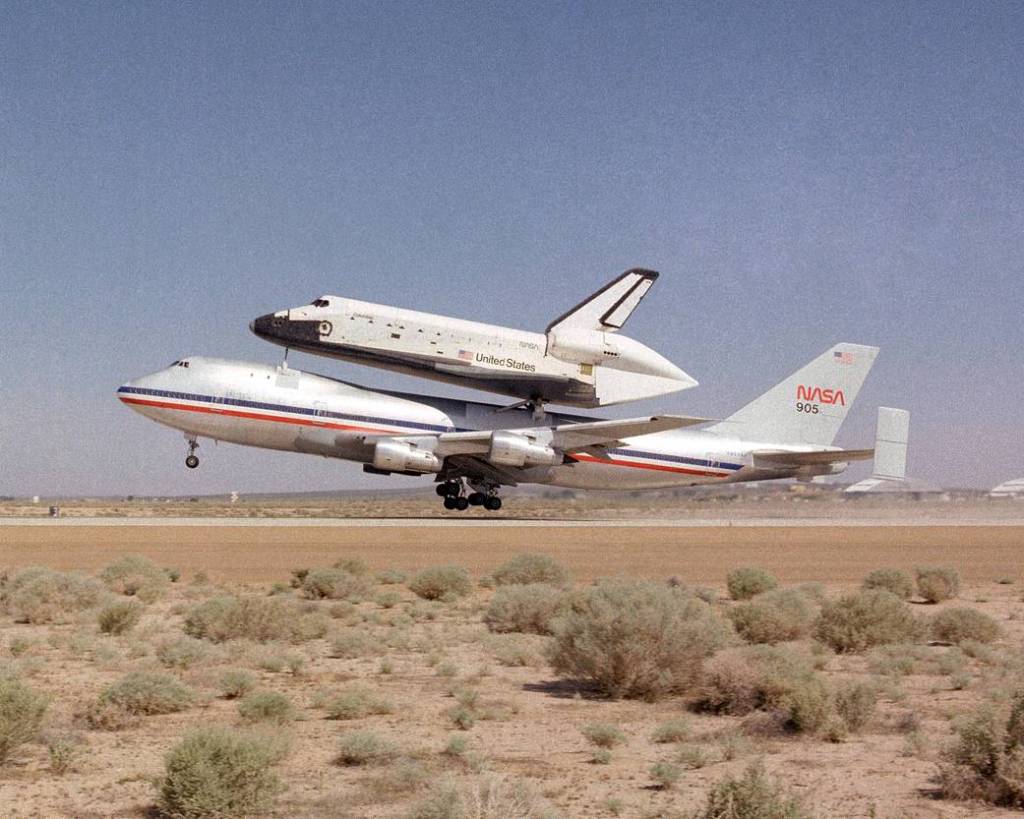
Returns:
<point x="192" y="460"/>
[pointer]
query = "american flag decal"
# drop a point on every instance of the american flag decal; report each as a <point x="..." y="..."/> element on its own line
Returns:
<point x="465" y="355"/>
<point x="842" y="358"/>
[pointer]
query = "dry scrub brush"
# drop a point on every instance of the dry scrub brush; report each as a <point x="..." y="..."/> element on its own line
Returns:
<point x="266" y="706"/>
<point x="364" y="748"/>
<point x="959" y="624"/>
<point x="119" y="617"/>
<point x="896" y="581"/>
<point x="335" y="584"/>
<point x="493" y="796"/>
<point x="772" y="617"/>
<point x="747" y="582"/>
<point x="784" y="686"/>
<point x="216" y="772"/>
<point x="528" y="609"/>
<point x="235" y="683"/>
<point x="253" y="618"/>
<point x="441" y="583"/>
<point x="146" y="693"/>
<point x="636" y="639"/>
<point x="858" y="621"/>
<point x="21" y="714"/>
<point x="937" y="583"/>
<point x="751" y="796"/>
<point x="38" y="595"/>
<point x="986" y="761"/>
<point x="531" y="568"/>
<point x="357" y="703"/>
<point x="136" y="576"/>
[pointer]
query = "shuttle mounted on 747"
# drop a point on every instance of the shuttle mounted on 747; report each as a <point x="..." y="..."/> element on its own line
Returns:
<point x="580" y="360"/>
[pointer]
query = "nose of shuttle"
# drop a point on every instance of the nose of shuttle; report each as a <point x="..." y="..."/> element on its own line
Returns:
<point x="263" y="326"/>
<point x="281" y="328"/>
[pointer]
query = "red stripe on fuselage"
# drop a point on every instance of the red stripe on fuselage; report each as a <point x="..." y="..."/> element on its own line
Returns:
<point x="255" y="416"/>
<point x="655" y="467"/>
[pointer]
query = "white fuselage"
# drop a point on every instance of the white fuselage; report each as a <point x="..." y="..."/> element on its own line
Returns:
<point x="578" y="368"/>
<point x="284" y="409"/>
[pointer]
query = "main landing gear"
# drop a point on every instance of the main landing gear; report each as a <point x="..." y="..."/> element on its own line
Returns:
<point x="192" y="460"/>
<point x="457" y="496"/>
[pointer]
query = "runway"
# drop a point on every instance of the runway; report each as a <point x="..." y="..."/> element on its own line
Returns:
<point x="510" y="522"/>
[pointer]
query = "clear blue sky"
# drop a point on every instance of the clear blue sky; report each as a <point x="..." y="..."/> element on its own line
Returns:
<point x="800" y="173"/>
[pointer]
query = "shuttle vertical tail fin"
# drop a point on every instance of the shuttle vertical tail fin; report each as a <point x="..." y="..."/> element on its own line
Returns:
<point x="810" y="406"/>
<point x="607" y="310"/>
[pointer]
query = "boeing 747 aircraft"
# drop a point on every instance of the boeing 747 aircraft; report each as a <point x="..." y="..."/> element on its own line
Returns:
<point x="472" y="449"/>
<point x="579" y="360"/>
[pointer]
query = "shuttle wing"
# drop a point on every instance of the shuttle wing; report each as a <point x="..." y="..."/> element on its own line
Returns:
<point x="778" y="457"/>
<point x="607" y="309"/>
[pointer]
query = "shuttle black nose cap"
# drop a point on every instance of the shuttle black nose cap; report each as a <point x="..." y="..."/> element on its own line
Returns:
<point x="263" y="326"/>
<point x="286" y="331"/>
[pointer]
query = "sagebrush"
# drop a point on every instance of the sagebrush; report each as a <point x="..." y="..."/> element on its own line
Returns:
<point x="531" y="568"/>
<point x="747" y="582"/>
<point x="772" y="617"/>
<point x="441" y="583"/>
<point x="896" y="581"/>
<point x="216" y="772"/>
<point x="635" y="639"/>
<point x="21" y="715"/>
<point x="527" y="608"/>
<point x="858" y="621"/>
<point x="253" y="618"/>
<point x="937" y="583"/>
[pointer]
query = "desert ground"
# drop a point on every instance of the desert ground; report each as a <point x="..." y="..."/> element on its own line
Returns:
<point x="463" y="706"/>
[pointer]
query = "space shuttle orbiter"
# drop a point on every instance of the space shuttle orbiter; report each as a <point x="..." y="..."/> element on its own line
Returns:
<point x="579" y="360"/>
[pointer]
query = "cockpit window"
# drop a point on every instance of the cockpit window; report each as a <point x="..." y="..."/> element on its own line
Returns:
<point x="321" y="302"/>
<point x="179" y="363"/>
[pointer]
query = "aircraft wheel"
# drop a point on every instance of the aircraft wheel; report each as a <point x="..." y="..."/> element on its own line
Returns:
<point x="462" y="504"/>
<point x="191" y="462"/>
<point x="492" y="504"/>
<point x="442" y="489"/>
<point x="450" y="502"/>
<point x="477" y="499"/>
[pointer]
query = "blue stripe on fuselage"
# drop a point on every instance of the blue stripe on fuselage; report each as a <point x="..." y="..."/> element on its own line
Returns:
<point x="370" y="419"/>
<point x="241" y="402"/>
<point x="676" y="459"/>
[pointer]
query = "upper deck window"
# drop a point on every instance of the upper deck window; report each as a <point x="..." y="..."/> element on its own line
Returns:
<point x="321" y="302"/>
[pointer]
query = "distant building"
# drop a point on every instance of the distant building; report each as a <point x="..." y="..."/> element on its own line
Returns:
<point x="1011" y="489"/>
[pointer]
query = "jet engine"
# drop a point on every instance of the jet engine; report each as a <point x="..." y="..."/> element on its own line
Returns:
<point x="399" y="456"/>
<point x="509" y="449"/>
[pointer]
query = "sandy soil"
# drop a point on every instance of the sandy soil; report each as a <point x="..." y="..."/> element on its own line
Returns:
<point x="429" y="650"/>
<point x="698" y="555"/>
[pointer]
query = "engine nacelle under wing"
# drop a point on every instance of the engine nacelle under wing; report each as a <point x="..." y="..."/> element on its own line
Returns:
<point x="400" y="456"/>
<point x="510" y="449"/>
